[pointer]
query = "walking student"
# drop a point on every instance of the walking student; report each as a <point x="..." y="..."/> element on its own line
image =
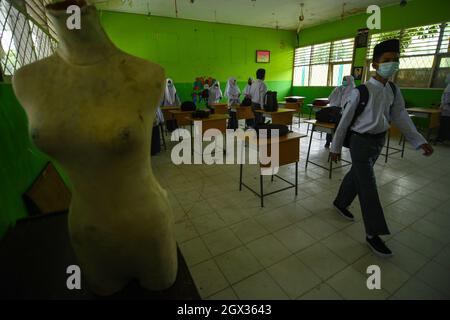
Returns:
<point x="367" y="130"/>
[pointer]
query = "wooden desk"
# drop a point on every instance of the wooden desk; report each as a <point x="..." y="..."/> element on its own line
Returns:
<point x="180" y="117"/>
<point x="165" y="110"/>
<point x="214" y="121"/>
<point x="326" y="128"/>
<point x="243" y="112"/>
<point x="289" y="152"/>
<point x="433" y="116"/>
<point x="281" y="116"/>
<point x="220" y="108"/>
<point x="298" y="98"/>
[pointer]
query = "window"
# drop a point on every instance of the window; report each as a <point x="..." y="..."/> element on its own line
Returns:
<point x="423" y="52"/>
<point x="25" y="34"/>
<point x="323" y="64"/>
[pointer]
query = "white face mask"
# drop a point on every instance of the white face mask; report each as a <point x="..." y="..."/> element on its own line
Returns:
<point x="387" y="69"/>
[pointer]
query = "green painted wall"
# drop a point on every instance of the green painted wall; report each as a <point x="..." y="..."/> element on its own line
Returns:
<point x="415" y="13"/>
<point x="20" y="161"/>
<point x="188" y="49"/>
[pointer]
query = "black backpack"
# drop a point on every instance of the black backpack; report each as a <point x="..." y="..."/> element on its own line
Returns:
<point x="270" y="101"/>
<point x="282" y="129"/>
<point x="247" y="102"/>
<point x="329" y="114"/>
<point x="363" y="99"/>
<point x="188" y="106"/>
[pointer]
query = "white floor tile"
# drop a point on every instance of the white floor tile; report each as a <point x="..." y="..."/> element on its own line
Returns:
<point x="259" y="287"/>
<point x="268" y="250"/>
<point x="293" y="276"/>
<point x="238" y="264"/>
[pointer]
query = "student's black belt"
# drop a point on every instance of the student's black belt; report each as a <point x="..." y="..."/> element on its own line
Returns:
<point x="370" y="135"/>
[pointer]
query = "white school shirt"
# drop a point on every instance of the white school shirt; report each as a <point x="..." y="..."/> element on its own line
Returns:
<point x="377" y="115"/>
<point x="247" y="90"/>
<point x="258" y="91"/>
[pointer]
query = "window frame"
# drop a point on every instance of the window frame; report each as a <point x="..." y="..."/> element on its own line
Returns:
<point x="437" y="55"/>
<point x="329" y="62"/>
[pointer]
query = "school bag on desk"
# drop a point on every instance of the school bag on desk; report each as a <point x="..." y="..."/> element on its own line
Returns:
<point x="270" y="101"/>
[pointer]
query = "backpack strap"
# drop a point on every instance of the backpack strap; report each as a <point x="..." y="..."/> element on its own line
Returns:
<point x="393" y="87"/>
<point x="363" y="99"/>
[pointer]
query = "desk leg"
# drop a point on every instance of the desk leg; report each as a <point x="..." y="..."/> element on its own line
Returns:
<point x="192" y="141"/>
<point x="161" y="126"/>
<point x="309" y="147"/>
<point x="387" y="146"/>
<point x="261" y="189"/>
<point x="240" y="177"/>
<point x="309" y="118"/>
<point x="331" y="167"/>
<point x="429" y="127"/>
<point x="403" y="146"/>
<point x="296" y="178"/>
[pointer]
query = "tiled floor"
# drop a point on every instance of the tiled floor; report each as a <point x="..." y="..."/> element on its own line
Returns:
<point x="299" y="247"/>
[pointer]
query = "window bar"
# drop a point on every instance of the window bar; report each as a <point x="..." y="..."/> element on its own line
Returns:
<point x="12" y="40"/>
<point x="434" y="67"/>
<point x="21" y="52"/>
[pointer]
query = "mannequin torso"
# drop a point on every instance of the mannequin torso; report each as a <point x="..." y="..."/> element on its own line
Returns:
<point x="95" y="117"/>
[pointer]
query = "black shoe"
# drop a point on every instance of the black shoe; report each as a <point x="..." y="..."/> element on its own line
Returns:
<point x="344" y="212"/>
<point x="377" y="245"/>
<point x="327" y="145"/>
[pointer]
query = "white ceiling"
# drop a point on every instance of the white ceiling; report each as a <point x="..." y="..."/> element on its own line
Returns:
<point x="259" y="13"/>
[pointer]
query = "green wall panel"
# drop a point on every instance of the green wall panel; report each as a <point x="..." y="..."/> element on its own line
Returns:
<point x="20" y="161"/>
<point x="188" y="49"/>
<point x="415" y="13"/>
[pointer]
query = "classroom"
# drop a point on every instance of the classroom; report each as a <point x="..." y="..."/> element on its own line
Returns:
<point x="225" y="150"/>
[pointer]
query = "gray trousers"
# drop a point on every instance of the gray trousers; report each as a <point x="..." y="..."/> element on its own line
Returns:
<point x="360" y="180"/>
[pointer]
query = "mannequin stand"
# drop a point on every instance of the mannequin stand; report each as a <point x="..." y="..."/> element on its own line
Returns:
<point x="36" y="253"/>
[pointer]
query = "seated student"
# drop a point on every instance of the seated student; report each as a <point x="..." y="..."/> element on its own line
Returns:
<point x="385" y="104"/>
<point x="247" y="88"/>
<point x="156" y="137"/>
<point x="215" y="94"/>
<point x="258" y="91"/>
<point x="170" y="98"/>
<point x="339" y="97"/>
<point x="233" y="93"/>
<point x="444" y="128"/>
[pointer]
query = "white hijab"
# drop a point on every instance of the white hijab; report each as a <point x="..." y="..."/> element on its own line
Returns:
<point x="215" y="93"/>
<point x="350" y="86"/>
<point x="232" y="90"/>
<point x="340" y="94"/>
<point x="170" y="93"/>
